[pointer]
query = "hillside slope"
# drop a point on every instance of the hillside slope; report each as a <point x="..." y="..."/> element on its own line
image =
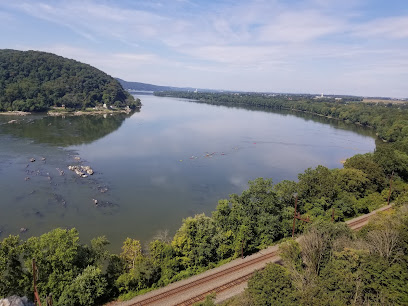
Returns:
<point x="137" y="86"/>
<point x="35" y="81"/>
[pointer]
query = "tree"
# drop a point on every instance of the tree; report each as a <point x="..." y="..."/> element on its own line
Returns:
<point x="367" y="164"/>
<point x="193" y="241"/>
<point x="59" y="257"/>
<point x="14" y="279"/>
<point x="352" y="181"/>
<point x="131" y="252"/>
<point x="272" y="286"/>
<point x="86" y="289"/>
<point x="315" y="184"/>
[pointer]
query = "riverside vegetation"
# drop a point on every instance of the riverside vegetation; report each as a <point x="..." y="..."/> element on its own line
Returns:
<point x="330" y="265"/>
<point x="35" y="81"/>
<point x="79" y="274"/>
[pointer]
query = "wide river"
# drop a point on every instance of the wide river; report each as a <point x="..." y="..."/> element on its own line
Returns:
<point x="171" y="160"/>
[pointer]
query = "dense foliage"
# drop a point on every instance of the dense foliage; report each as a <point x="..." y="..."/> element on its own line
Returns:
<point x="35" y="81"/>
<point x="332" y="266"/>
<point x="329" y="264"/>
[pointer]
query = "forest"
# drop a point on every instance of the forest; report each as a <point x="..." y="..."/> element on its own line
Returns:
<point x="35" y="81"/>
<point x="330" y="265"/>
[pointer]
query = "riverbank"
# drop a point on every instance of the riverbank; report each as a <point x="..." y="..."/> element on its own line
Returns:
<point x="15" y="113"/>
<point x="59" y="112"/>
<point x="88" y="112"/>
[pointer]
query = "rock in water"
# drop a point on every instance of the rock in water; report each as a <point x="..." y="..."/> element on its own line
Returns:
<point x="81" y="171"/>
<point x="15" y="300"/>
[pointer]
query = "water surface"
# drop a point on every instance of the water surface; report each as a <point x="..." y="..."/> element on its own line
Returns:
<point x="171" y="160"/>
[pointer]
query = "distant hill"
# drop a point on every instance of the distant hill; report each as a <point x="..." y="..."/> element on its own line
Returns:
<point x="35" y="81"/>
<point x="137" y="86"/>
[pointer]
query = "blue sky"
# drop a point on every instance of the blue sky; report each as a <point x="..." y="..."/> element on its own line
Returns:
<point x="332" y="46"/>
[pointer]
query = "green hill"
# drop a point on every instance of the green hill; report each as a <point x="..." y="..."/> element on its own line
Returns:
<point x="36" y="81"/>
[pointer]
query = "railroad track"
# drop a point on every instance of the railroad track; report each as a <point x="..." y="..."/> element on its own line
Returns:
<point x="219" y="289"/>
<point x="354" y="224"/>
<point x="210" y="278"/>
<point x="359" y="222"/>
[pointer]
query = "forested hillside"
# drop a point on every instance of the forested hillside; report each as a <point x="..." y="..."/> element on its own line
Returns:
<point x="35" y="81"/>
<point x="144" y="86"/>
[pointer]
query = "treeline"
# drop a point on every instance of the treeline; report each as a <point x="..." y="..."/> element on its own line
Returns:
<point x="330" y="265"/>
<point x="35" y="81"/>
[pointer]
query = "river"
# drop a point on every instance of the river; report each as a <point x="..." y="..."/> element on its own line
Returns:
<point x="171" y="160"/>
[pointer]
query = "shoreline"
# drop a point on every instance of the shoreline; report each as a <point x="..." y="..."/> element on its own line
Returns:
<point x="82" y="113"/>
<point x="70" y="113"/>
<point x="15" y="113"/>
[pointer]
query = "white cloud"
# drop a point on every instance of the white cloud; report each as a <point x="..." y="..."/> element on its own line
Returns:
<point x="388" y="28"/>
<point x="98" y="21"/>
<point x="293" y="27"/>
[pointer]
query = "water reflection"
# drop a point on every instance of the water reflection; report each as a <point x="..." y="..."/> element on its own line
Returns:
<point x="62" y="131"/>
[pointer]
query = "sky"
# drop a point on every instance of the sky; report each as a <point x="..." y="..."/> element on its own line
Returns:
<point x="357" y="47"/>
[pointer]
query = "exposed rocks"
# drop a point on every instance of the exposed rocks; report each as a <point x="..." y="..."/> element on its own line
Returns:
<point x="26" y="178"/>
<point x="15" y="113"/>
<point x="102" y="189"/>
<point x="59" y="200"/>
<point x="61" y="172"/>
<point x="23" y="230"/>
<point x="88" y="170"/>
<point x="43" y="158"/>
<point x="32" y="160"/>
<point x="15" y="301"/>
<point x="95" y="201"/>
<point x="82" y="171"/>
<point x="12" y="121"/>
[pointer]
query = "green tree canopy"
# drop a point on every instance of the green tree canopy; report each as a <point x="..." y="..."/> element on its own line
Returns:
<point x="35" y="81"/>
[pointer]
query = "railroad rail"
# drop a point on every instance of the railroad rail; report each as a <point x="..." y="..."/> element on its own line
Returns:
<point x="219" y="289"/>
<point x="257" y="261"/>
<point x="209" y="278"/>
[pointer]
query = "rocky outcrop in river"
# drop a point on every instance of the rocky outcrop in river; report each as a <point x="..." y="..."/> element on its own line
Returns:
<point x="82" y="171"/>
